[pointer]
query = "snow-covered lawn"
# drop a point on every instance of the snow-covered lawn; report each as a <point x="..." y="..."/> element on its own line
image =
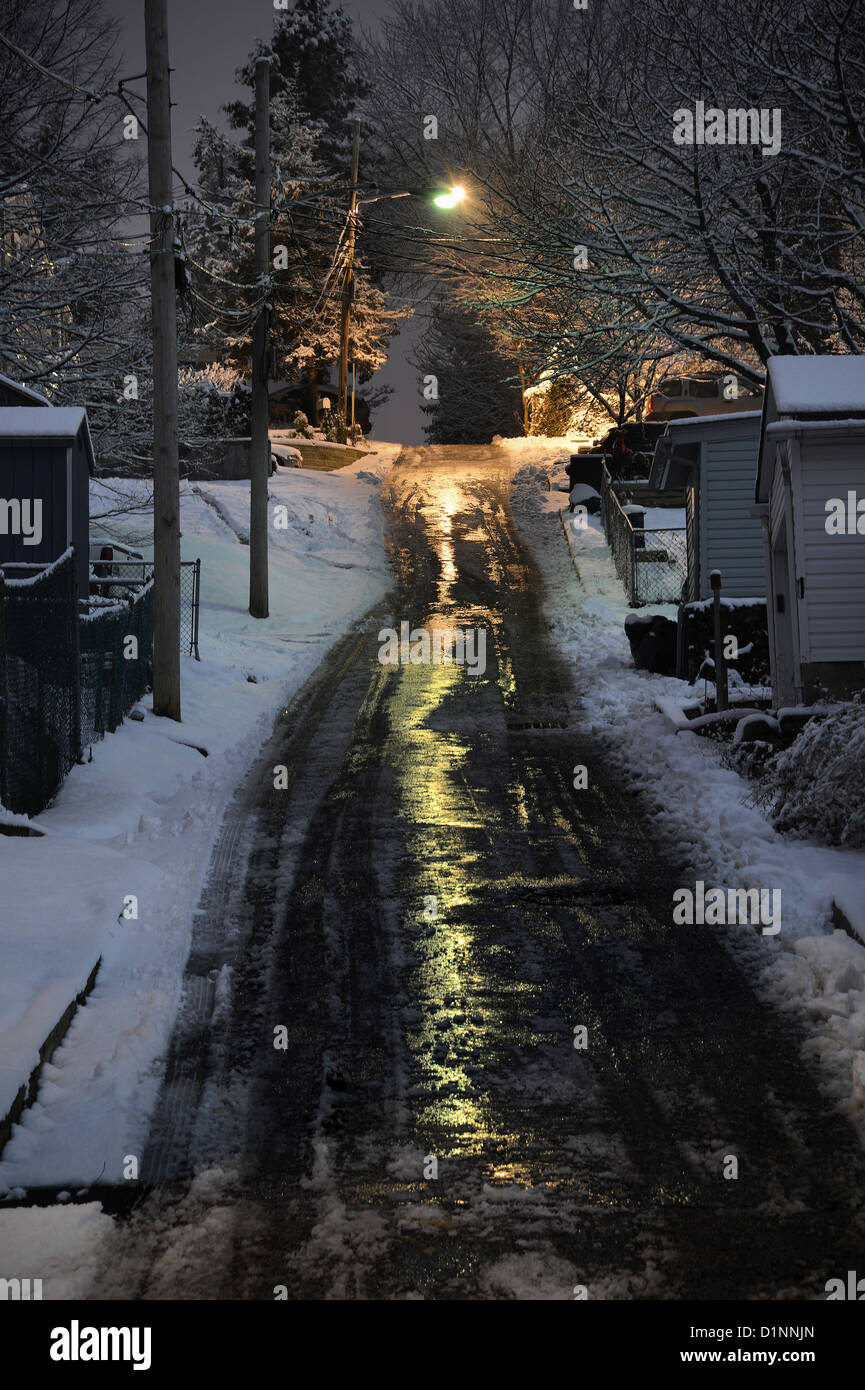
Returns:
<point x="699" y="806"/>
<point x="139" y="820"/>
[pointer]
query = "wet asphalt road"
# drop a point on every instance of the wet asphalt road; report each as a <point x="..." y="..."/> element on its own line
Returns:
<point x="429" y="910"/>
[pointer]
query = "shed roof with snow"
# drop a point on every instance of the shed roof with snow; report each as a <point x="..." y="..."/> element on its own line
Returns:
<point x="59" y="422"/>
<point x="14" y="393"/>
<point x="819" y="391"/>
<point x="817" y="385"/>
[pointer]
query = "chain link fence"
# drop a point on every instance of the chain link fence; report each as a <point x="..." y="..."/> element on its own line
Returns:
<point x="122" y="578"/>
<point x="660" y="565"/>
<point x="620" y="535"/>
<point x="190" y="603"/>
<point x="67" y="676"/>
<point x="40" y="682"/>
<point x="116" y="639"/>
<point x="652" y="563"/>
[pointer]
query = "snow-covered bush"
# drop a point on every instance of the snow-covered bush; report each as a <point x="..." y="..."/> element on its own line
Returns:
<point x="302" y="425"/>
<point x="816" y="787"/>
<point x="750" y="759"/>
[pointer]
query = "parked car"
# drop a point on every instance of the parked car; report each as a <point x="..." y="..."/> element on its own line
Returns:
<point x="677" y="398"/>
<point x="284" y="456"/>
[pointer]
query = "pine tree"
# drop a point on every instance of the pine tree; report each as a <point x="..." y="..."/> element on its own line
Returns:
<point x="477" y="395"/>
<point x="314" y="91"/>
<point x="312" y="68"/>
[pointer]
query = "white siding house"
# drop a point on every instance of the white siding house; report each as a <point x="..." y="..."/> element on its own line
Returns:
<point x="714" y="458"/>
<point x="810" y="479"/>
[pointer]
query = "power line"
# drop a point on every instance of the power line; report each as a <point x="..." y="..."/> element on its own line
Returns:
<point x="82" y="91"/>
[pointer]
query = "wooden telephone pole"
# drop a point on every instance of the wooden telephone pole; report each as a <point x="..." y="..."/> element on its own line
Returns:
<point x="259" y="444"/>
<point x="348" y="288"/>
<point x="166" y="468"/>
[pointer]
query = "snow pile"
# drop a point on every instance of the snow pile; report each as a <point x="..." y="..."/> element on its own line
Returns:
<point x="62" y="1246"/>
<point x="538" y="449"/>
<point x="134" y="827"/>
<point x="701" y="809"/>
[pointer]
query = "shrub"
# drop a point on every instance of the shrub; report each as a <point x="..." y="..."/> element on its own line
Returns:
<point x="816" y="787"/>
<point x="302" y="425"/>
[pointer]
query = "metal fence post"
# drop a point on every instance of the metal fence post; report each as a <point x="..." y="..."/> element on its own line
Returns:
<point x="721" y="702"/>
<point x="196" y="603"/>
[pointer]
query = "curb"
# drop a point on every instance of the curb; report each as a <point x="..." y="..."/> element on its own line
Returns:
<point x="27" y="1093"/>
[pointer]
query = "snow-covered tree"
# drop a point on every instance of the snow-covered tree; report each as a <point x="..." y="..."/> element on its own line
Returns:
<point x="73" y="280"/>
<point x="313" y="68"/>
<point x="314" y="90"/>
<point x="591" y="233"/>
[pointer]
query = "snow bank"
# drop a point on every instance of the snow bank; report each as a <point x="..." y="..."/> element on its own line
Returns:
<point x="702" y="810"/>
<point x="140" y="819"/>
<point x="60" y="1245"/>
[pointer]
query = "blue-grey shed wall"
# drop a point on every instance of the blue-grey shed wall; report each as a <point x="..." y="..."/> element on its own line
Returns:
<point x="39" y="468"/>
<point x="731" y="540"/>
<point x="722" y="534"/>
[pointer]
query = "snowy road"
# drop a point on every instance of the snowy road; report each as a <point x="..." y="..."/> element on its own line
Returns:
<point x="429" y="910"/>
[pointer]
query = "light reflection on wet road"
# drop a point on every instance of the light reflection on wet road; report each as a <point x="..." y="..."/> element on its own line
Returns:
<point x="436" y="908"/>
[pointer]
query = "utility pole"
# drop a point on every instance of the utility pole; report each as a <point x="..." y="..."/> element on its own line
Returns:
<point x="259" y="444"/>
<point x="166" y="468"/>
<point x="348" y="288"/>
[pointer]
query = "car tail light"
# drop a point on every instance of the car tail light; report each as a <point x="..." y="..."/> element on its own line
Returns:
<point x="650" y="408"/>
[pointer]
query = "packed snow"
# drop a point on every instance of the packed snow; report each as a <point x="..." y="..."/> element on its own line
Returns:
<point x="137" y="822"/>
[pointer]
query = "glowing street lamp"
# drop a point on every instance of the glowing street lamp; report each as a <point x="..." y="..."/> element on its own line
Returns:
<point x="446" y="198"/>
<point x="450" y="198"/>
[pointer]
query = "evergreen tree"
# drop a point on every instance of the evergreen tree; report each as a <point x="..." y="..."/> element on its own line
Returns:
<point x="313" y="67"/>
<point x="476" y="392"/>
<point x="314" y="91"/>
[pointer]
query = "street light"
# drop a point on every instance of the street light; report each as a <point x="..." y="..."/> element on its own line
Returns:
<point x="450" y="197"/>
<point x="446" y="198"/>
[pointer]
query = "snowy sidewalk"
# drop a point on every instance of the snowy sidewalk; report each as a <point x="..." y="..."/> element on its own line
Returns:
<point x="139" y="820"/>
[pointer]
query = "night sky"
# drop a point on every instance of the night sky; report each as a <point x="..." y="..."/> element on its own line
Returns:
<point x="208" y="43"/>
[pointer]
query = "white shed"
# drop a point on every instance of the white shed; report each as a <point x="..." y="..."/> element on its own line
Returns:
<point x="714" y="457"/>
<point x="811" y="501"/>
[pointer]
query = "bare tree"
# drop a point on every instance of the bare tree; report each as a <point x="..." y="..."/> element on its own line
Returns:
<point x="73" y="275"/>
<point x="594" y="234"/>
